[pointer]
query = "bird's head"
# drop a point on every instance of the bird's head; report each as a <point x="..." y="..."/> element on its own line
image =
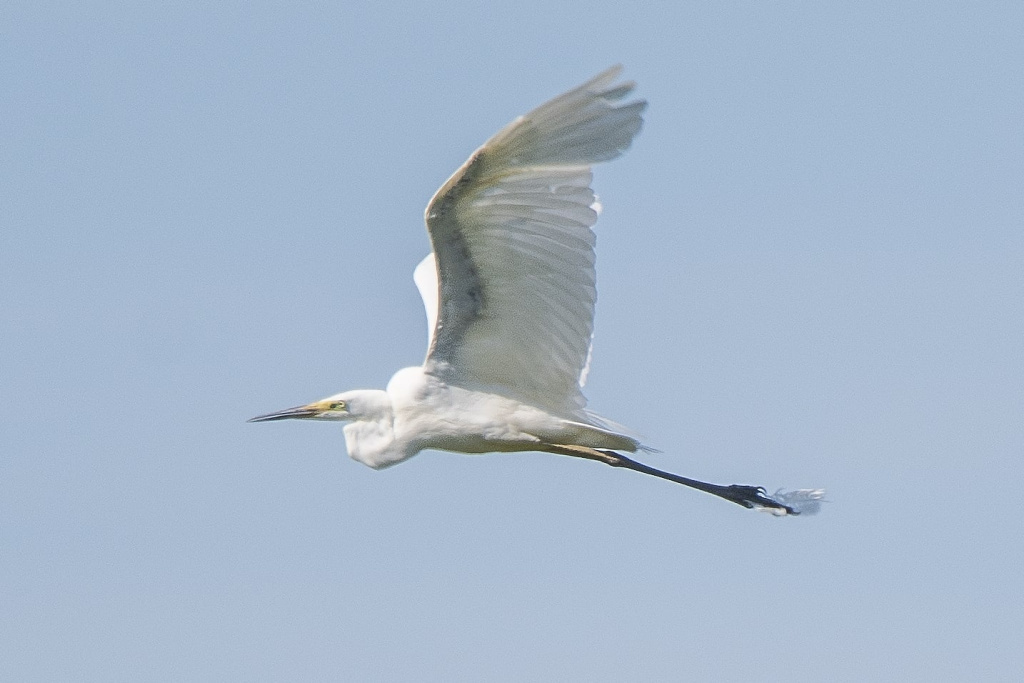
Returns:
<point x="338" y="407"/>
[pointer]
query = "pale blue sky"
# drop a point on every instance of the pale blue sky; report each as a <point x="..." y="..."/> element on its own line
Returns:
<point x="811" y="273"/>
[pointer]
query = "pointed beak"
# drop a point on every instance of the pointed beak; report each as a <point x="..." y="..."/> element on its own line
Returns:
<point x="295" y="413"/>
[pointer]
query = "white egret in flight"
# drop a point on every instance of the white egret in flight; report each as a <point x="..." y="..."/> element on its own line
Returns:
<point x="509" y="291"/>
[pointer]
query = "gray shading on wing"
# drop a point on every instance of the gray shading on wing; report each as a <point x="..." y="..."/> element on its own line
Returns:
<point x="511" y="235"/>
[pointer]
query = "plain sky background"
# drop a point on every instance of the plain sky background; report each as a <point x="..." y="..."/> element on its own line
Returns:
<point x="811" y="273"/>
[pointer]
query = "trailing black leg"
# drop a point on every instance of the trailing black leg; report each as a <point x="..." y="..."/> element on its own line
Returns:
<point x="750" y="497"/>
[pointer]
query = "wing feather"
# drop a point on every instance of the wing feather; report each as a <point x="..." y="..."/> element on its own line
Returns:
<point x="511" y="299"/>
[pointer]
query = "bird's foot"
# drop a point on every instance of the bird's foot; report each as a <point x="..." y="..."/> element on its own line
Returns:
<point x="756" y="498"/>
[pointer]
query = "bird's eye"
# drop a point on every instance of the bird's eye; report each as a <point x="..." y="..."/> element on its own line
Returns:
<point x="338" y="405"/>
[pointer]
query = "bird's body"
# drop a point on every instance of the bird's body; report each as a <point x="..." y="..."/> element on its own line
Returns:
<point x="419" y="412"/>
<point x="509" y="291"/>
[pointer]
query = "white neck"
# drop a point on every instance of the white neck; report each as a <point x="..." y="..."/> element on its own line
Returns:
<point x="370" y="435"/>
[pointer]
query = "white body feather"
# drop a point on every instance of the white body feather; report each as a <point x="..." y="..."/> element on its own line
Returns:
<point x="419" y="412"/>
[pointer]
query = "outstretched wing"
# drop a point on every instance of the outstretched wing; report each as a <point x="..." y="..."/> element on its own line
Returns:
<point x="514" y="252"/>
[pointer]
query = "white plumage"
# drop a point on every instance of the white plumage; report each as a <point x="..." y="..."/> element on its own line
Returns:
<point x="511" y="232"/>
<point x="509" y="291"/>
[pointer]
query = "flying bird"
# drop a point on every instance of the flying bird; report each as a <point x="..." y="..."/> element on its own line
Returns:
<point x="509" y="291"/>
